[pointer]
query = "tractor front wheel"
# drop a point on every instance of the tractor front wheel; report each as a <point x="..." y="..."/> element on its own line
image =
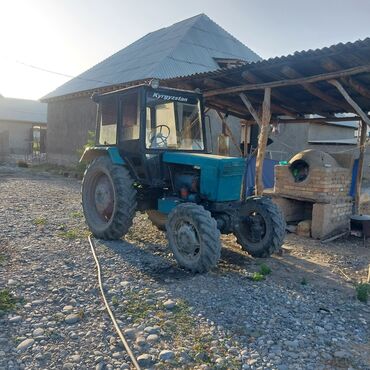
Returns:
<point x="193" y="237"/>
<point x="259" y="227"/>
<point x="108" y="199"/>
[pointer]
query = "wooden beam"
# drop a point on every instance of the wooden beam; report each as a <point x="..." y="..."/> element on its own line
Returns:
<point x="361" y="89"/>
<point x="288" y="82"/>
<point x="227" y="105"/>
<point x="331" y="65"/>
<point x="262" y="140"/>
<point x="312" y="89"/>
<point x="351" y="102"/>
<point x="360" y="169"/>
<point x="249" y="106"/>
<point x="220" y="107"/>
<point x="252" y="78"/>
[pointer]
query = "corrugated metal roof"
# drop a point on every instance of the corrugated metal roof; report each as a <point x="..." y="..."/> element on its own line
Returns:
<point x="185" y="48"/>
<point x="12" y="109"/>
<point x="349" y="61"/>
<point x="297" y="56"/>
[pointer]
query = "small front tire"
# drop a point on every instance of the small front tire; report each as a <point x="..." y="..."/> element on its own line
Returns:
<point x="193" y="237"/>
<point x="260" y="226"/>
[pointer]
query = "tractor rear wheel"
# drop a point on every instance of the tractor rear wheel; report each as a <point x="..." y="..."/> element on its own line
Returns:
<point x="260" y="227"/>
<point x="193" y="237"/>
<point x="108" y="199"/>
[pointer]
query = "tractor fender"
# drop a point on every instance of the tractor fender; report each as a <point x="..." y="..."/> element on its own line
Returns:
<point x="94" y="152"/>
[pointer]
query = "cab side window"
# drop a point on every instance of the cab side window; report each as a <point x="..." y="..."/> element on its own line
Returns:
<point x="130" y="117"/>
<point x="108" y="121"/>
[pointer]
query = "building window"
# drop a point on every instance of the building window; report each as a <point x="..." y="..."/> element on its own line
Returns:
<point x="229" y="63"/>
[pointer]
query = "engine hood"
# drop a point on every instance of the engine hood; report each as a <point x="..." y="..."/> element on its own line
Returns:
<point x="220" y="177"/>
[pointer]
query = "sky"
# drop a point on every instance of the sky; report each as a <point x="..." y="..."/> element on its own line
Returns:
<point x="70" y="36"/>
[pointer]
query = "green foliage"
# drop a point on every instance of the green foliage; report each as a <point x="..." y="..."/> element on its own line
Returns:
<point x="363" y="292"/>
<point x="304" y="281"/>
<point x="265" y="269"/>
<point x="7" y="300"/>
<point x="39" y="221"/>
<point x="115" y="301"/>
<point x="89" y="143"/>
<point x="2" y="259"/>
<point x="76" y="214"/>
<point x="257" y="276"/>
<point x="22" y="164"/>
<point x="74" y="234"/>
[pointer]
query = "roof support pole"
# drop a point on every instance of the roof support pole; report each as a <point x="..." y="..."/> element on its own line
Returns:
<point x="362" y="146"/>
<point x="262" y="140"/>
<point x="350" y="101"/>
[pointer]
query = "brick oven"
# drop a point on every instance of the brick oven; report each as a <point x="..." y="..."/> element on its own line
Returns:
<point x="315" y="186"/>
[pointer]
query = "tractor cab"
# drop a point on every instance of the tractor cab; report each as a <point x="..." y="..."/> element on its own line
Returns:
<point x="143" y="123"/>
<point x="151" y="155"/>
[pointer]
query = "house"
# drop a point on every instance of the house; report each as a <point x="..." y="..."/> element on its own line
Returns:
<point x="22" y="123"/>
<point x="194" y="45"/>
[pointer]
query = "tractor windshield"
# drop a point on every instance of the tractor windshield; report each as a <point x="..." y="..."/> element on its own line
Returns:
<point x="173" y="122"/>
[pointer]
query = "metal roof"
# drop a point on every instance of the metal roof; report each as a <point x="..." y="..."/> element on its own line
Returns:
<point x="23" y="110"/>
<point x="349" y="62"/>
<point x="185" y="48"/>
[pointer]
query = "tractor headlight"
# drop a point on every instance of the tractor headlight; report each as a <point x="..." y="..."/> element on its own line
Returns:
<point x="154" y="83"/>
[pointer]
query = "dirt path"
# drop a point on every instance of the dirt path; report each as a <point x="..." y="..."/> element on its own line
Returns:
<point x="304" y="315"/>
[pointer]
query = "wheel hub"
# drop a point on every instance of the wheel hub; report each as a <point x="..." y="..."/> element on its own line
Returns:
<point x="104" y="197"/>
<point x="187" y="240"/>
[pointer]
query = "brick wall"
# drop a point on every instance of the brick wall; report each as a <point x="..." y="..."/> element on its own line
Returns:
<point x="322" y="184"/>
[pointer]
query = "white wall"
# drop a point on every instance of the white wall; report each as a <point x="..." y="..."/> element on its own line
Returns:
<point x="19" y="136"/>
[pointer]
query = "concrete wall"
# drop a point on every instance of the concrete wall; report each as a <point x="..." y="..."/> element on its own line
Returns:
<point x="68" y="124"/>
<point x="329" y="132"/>
<point x="19" y="137"/>
<point x="291" y="139"/>
<point x="294" y="138"/>
<point x="70" y="120"/>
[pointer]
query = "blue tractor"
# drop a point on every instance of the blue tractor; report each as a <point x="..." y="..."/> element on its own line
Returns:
<point x="151" y="155"/>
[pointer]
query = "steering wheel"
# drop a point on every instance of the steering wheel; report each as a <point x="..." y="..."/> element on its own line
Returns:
<point x="159" y="139"/>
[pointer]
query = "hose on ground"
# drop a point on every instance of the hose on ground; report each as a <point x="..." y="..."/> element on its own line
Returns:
<point x="115" y="324"/>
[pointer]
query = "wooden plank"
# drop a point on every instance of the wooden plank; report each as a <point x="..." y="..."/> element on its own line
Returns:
<point x="288" y="82"/>
<point x="262" y="140"/>
<point x="350" y="101"/>
<point x="360" y="169"/>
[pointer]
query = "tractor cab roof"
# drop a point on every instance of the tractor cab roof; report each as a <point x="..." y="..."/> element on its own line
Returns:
<point x="96" y="97"/>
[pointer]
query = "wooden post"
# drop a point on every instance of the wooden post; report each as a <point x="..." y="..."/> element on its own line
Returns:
<point x="262" y="140"/>
<point x="362" y="145"/>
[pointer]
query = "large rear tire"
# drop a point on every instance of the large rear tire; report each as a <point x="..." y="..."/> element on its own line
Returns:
<point x="193" y="237"/>
<point x="260" y="227"/>
<point x="108" y="199"/>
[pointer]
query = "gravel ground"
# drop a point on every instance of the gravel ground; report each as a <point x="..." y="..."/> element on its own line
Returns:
<point x="304" y="315"/>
